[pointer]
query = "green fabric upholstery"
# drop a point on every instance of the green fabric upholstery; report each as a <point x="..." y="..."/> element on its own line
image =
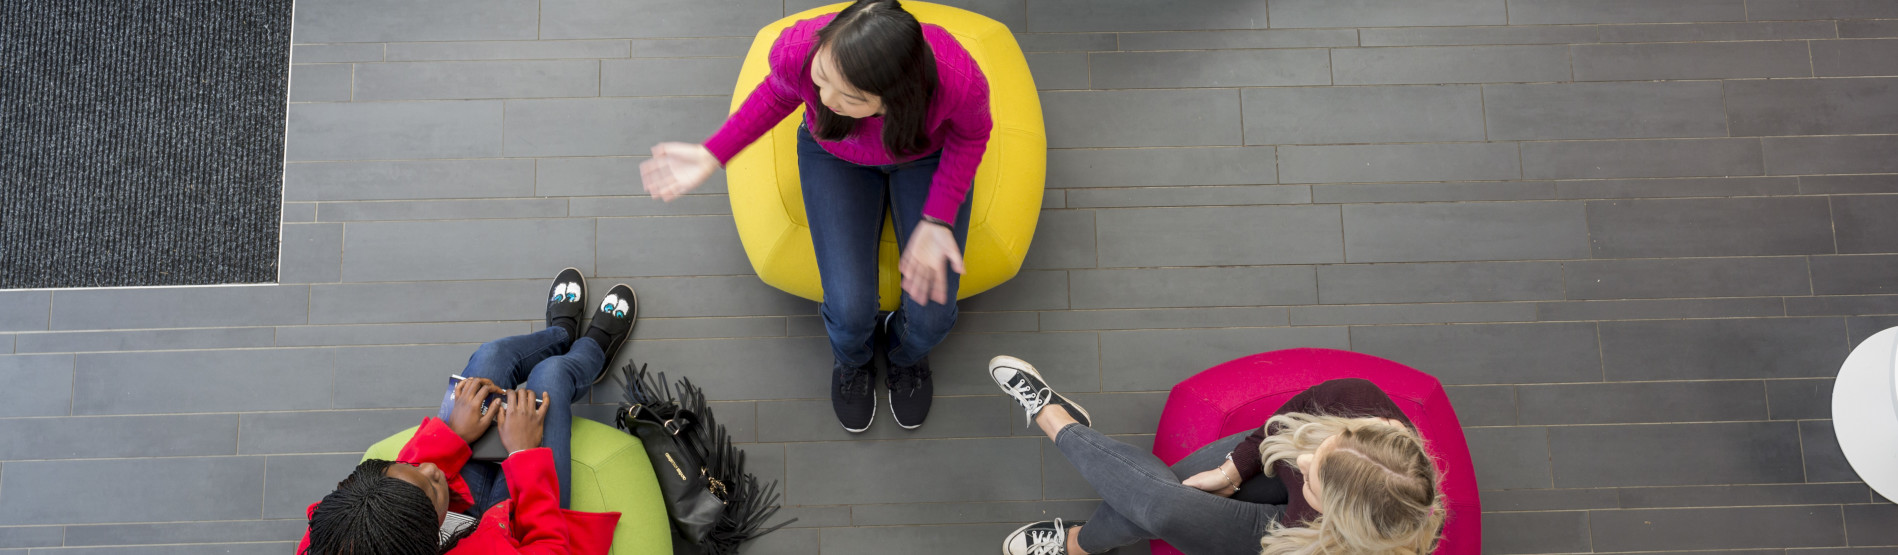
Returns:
<point x="610" y="474"/>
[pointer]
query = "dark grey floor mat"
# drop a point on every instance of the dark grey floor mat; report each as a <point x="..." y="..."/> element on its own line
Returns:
<point x="141" y="142"/>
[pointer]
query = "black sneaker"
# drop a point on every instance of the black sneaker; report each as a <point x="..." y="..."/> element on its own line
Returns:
<point x="565" y="300"/>
<point x="613" y="323"/>
<point x="1048" y="537"/>
<point x="1020" y="380"/>
<point x="853" y="396"/>
<point x="911" y="389"/>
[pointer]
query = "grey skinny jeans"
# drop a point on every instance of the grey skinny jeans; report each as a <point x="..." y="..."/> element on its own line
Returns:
<point x="1143" y="499"/>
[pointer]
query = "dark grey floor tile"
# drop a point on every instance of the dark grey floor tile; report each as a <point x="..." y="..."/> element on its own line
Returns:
<point x="1063" y="239"/>
<point x="1163" y="318"/>
<point x="299" y="212"/>
<point x="271" y="433"/>
<point x="1687" y="277"/>
<point x="1489" y="353"/>
<point x="1324" y="115"/>
<point x="1155" y="360"/>
<point x="143" y="340"/>
<point x="1551" y="499"/>
<point x="1211" y="40"/>
<point x="1438" y="283"/>
<point x="790" y="541"/>
<point x="181" y="307"/>
<point x="1147" y="167"/>
<point x="1603" y="111"/>
<point x="1509" y="458"/>
<point x="949" y="417"/>
<point x="1860" y="305"/>
<point x="1727" y="60"/>
<point x="1723" y="349"/>
<point x="1675" y="454"/>
<point x="1433" y="192"/>
<point x="202" y="381"/>
<point x="1483" y="405"/>
<point x="1871" y="524"/>
<point x="506" y="50"/>
<point x="1437" y="313"/>
<point x="393" y="130"/>
<point x="1071" y="361"/>
<point x="400" y="334"/>
<point x="771" y="326"/>
<point x="311" y="253"/>
<point x="41" y="385"/>
<point x="1709" y="227"/>
<point x="320" y="82"/>
<point x="1824" y="461"/>
<point x="725" y="47"/>
<point x="1540" y="532"/>
<point x="1193" y="287"/>
<point x="994" y="322"/>
<point x="25" y="310"/>
<point x="1821" y="9"/>
<point x="1854" y="274"/>
<point x="1813" y="106"/>
<point x="1029" y="290"/>
<point x="1530" y="12"/>
<point x="1426" y="65"/>
<point x="1739" y="496"/>
<point x="32" y="536"/>
<point x="472" y="209"/>
<point x="375" y="303"/>
<point x="587" y="19"/>
<point x="1399" y="163"/>
<point x="1384" y="13"/>
<point x="920" y="540"/>
<point x="1464" y="231"/>
<point x="255" y="548"/>
<point x="1749" y="527"/>
<point x="1863" y="223"/>
<point x="1219" y="235"/>
<point x="815" y="516"/>
<point x="1843" y="551"/>
<point x="430" y="20"/>
<point x="69" y="492"/>
<point x="1045" y="16"/>
<point x="1011" y="13"/>
<point x="1873" y="28"/>
<point x="408" y="179"/>
<point x="756" y="368"/>
<point x="606" y="176"/>
<point x="119" y="437"/>
<point x="1799" y="399"/>
<point x="1650" y="309"/>
<point x="971" y="513"/>
<point x="187" y="532"/>
<point x="408" y="376"/>
<point x="1234" y="195"/>
<point x="1132" y="118"/>
<point x="1628" y="403"/>
<point x="1055" y="71"/>
<point x="1452" y="36"/>
<point x="606" y="126"/>
<point x="1061" y="481"/>
<point x="473" y="80"/>
<point x="1863" y="327"/>
<point x="675" y="246"/>
<point x="829" y="473"/>
<point x="1209" y="68"/>
<point x="1845" y="154"/>
<point x="1751" y="30"/>
<point x="335" y="53"/>
<point x="1687" y="187"/>
<point x="667" y="76"/>
<point x="293" y="482"/>
<point x="1066" y="42"/>
<point x="465" y="249"/>
<point x="1652" y="158"/>
<point x="1848" y="184"/>
<point x="688" y="205"/>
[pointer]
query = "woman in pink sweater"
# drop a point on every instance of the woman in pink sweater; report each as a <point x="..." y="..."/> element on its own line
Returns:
<point x="896" y="117"/>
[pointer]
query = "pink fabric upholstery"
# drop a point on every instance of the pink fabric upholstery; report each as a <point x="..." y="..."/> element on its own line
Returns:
<point x="1240" y="395"/>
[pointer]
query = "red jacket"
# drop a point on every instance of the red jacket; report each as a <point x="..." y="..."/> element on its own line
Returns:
<point x="529" y="521"/>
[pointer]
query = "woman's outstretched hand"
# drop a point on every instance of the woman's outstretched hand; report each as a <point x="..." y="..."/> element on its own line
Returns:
<point x="467" y="419"/>
<point x="522" y="419"/>
<point x="931" y="254"/>
<point x="676" y="169"/>
<point x="1214" y="481"/>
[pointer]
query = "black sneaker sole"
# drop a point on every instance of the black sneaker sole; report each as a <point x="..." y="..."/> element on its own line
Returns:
<point x="1024" y="367"/>
<point x="612" y="351"/>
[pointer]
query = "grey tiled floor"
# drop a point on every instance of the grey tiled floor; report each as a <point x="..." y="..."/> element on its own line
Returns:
<point x="1635" y="238"/>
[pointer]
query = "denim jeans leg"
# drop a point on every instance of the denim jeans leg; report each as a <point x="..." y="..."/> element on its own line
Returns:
<point x="1149" y="496"/>
<point x="843" y="203"/>
<point x="920" y="325"/>
<point x="566" y="380"/>
<point x="506" y="361"/>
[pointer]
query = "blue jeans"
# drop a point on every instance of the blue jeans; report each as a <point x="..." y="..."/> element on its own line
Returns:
<point x="1143" y="499"/>
<point x="535" y="362"/>
<point x="844" y="204"/>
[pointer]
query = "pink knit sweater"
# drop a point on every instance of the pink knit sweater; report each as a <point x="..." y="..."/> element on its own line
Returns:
<point x="958" y="121"/>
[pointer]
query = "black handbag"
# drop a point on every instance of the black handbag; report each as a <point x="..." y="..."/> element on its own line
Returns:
<point x="714" y="505"/>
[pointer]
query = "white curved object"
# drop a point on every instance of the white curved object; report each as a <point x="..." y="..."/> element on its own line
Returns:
<point x="1865" y="411"/>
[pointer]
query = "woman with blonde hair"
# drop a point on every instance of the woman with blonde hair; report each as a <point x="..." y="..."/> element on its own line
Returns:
<point x="1338" y="469"/>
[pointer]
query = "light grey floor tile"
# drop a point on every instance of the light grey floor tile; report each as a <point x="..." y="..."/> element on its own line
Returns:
<point x="996" y="322"/>
<point x="393" y="130"/>
<point x="1058" y="16"/>
<point x="378" y="303"/>
<point x="1751" y="30"/>
<point x="1823" y="9"/>
<point x="321" y="82"/>
<point x="1631" y="403"/>
<point x="1709" y="227"/>
<point x="921" y="540"/>
<point x="1454" y="36"/>
<point x="1063" y="239"/>
<point x="1066" y="42"/>
<point x="1206" y="40"/>
<point x="589" y="19"/>
<point x="1723" y="349"/>
<point x="408" y="376"/>
<point x="1433" y="192"/>
<point x="1854" y="274"/>
<point x="1377" y="13"/>
<point x="1652" y="158"/>
<point x="1733" y="496"/>
<point x="1510" y="458"/>
<point x="1530" y="12"/>
<point x="182" y="307"/>
<point x="187" y="532"/>
<point x="506" y="50"/>
<point x="202" y="381"/>
<point x="473" y="209"/>
<point x="1489" y="353"/>
<point x="256" y="548"/>
<point x="1146" y="167"/>
<point x="1426" y="65"/>
<point x="1436" y="283"/>
<point x="428" y="20"/>
<point x="705" y="328"/>
<point x="299" y="212"/>
<point x="119" y="437"/>
<point x="293" y="482"/>
<point x="667" y="76"/>
<point x="688" y="205"/>
<point x="608" y="176"/>
<point x="1181" y="117"/>
<point x="1323" y="115"/>
<point x="1844" y="154"/>
<point x="1029" y="290"/>
<point x="31" y="536"/>
<point x="1675" y="454"/>
<point x="694" y="47"/>
<point x="1538" y="532"/>
<point x="68" y="492"/>
<point x="1072" y="360"/>
<point x="1635" y="62"/>
<point x="1651" y="309"/>
<point x="751" y="368"/>
<point x="143" y="340"/>
<point x="949" y="417"/>
<point x="681" y="246"/>
<point x="1861" y="224"/>
<point x="1192" y="287"/>
<point x="1155" y="360"/>
<point x="42" y="385"/>
<point x="970" y="513"/>
<point x="1799" y="399"/>
<point x="1813" y="106"/>
<point x="1163" y="318"/>
<point x="1483" y="405"/>
<point x="335" y="53"/>
<point x="1464" y="231"/>
<point x="1059" y="70"/>
<point x="448" y="250"/>
<point x="1237" y="195"/>
<point x="1604" y="111"/>
<point x="607" y="126"/>
<point x="1399" y="163"/>
<point x="1686" y="187"/>
<point x="1436" y="313"/>
<point x="828" y="473"/>
<point x="413" y="179"/>
<point x="1695" y="277"/>
<point x="1209" y="68"/>
<point x="311" y="253"/>
<point x="272" y="433"/>
<point x="1219" y="235"/>
<point x="1716" y="528"/>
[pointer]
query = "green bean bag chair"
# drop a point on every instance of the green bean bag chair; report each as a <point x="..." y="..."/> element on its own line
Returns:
<point x="610" y="474"/>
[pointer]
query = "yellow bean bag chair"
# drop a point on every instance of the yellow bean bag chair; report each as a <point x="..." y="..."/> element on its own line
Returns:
<point x="768" y="203"/>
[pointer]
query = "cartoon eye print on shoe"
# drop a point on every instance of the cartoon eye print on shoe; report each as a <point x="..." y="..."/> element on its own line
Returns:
<point x="566" y="292"/>
<point x="615" y="306"/>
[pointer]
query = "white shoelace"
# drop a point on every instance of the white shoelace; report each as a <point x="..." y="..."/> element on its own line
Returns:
<point x="1048" y="542"/>
<point x="1029" y="398"/>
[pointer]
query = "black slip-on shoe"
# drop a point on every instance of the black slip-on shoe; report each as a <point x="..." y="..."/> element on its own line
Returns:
<point x="613" y="323"/>
<point x="1019" y="379"/>
<point x="1048" y="537"/>
<point x="567" y="299"/>
<point x="853" y="395"/>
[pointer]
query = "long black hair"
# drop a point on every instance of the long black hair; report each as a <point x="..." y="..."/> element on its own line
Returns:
<point x="880" y="50"/>
<point x="371" y="513"/>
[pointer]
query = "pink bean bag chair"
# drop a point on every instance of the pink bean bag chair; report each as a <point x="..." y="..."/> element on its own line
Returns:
<point x="1240" y="395"/>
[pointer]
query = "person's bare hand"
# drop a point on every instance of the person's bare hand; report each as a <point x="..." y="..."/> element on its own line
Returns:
<point x="1213" y="481"/>
<point x="521" y="420"/>
<point x="676" y="169"/>
<point x="931" y="254"/>
<point x="467" y="419"/>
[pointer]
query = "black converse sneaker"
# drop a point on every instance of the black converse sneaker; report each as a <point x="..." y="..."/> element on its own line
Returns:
<point x="613" y="323"/>
<point x="565" y="300"/>
<point x="853" y="396"/>
<point x="1048" y="537"/>
<point x="911" y="389"/>
<point x="1020" y="380"/>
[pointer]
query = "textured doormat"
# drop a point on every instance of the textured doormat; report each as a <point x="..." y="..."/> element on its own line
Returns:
<point x="141" y="141"/>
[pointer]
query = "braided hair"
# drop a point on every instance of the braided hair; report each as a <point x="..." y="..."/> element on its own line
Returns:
<point x="371" y="513"/>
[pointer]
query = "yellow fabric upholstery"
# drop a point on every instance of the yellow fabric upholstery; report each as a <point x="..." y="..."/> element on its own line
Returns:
<point x="768" y="203"/>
